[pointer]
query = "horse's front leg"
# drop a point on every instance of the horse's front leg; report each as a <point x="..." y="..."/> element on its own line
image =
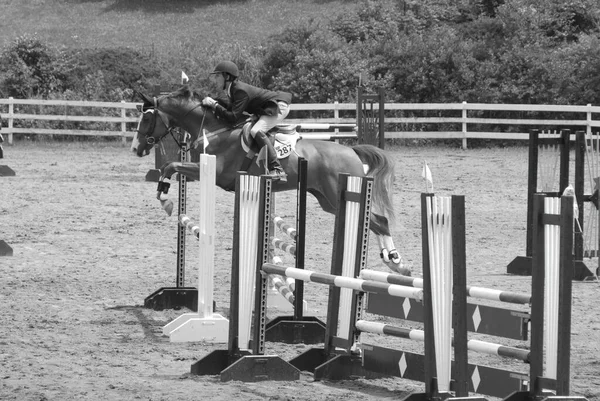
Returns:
<point x="188" y="169"/>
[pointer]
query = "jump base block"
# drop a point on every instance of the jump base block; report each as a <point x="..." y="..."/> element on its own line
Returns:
<point x="246" y="368"/>
<point x="284" y="329"/>
<point x="172" y="298"/>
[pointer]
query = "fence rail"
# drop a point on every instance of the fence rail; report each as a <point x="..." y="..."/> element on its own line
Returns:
<point x="461" y="121"/>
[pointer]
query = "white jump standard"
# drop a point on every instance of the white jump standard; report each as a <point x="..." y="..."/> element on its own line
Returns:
<point x="203" y="325"/>
<point x="548" y="358"/>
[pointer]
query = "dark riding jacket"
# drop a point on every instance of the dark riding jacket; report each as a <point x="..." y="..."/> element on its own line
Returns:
<point x="243" y="97"/>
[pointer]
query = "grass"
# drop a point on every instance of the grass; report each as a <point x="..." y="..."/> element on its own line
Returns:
<point x="161" y="26"/>
<point x="180" y="35"/>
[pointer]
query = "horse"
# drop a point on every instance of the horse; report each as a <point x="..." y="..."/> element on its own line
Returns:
<point x="326" y="160"/>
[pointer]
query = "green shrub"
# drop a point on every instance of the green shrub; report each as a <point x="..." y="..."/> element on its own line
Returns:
<point x="29" y="67"/>
<point x="100" y="74"/>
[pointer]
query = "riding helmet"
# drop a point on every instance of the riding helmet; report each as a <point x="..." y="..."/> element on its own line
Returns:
<point x="227" y="66"/>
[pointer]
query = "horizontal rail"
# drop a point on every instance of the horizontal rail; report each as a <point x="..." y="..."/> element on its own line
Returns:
<point x="189" y="224"/>
<point x="289" y="230"/>
<point x="335" y="121"/>
<point x="472" y="291"/>
<point x="344" y="282"/>
<point x="483" y="347"/>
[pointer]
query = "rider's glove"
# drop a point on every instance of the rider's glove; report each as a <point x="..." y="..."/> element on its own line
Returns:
<point x="210" y="102"/>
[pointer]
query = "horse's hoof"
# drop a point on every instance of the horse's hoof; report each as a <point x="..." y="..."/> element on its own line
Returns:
<point x="393" y="260"/>
<point x="401" y="270"/>
<point x="167" y="205"/>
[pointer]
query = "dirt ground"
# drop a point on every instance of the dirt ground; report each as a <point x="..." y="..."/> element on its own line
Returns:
<point x="91" y="242"/>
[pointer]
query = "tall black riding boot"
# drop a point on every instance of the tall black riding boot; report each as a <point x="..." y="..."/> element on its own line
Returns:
<point x="275" y="169"/>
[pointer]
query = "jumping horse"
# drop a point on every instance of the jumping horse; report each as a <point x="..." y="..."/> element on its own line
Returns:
<point x="326" y="160"/>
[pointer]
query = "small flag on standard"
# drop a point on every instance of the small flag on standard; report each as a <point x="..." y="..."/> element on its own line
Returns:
<point x="184" y="78"/>
<point x="570" y="191"/>
<point x="204" y="140"/>
<point x="427" y="176"/>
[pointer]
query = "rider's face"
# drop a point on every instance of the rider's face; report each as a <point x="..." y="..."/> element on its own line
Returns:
<point x="218" y="80"/>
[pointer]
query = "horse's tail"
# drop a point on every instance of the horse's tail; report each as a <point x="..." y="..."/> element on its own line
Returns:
<point x="381" y="168"/>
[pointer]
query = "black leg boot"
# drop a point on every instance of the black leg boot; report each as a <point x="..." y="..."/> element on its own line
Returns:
<point x="275" y="169"/>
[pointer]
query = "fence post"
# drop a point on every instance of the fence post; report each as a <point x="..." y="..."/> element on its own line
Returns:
<point x="11" y="111"/>
<point x="381" y="118"/>
<point x="123" y="123"/>
<point x="589" y="119"/>
<point x="336" y="116"/>
<point x="464" y="125"/>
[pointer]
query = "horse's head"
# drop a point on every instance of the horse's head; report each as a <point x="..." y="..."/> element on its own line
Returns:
<point x="181" y="108"/>
<point x="152" y="127"/>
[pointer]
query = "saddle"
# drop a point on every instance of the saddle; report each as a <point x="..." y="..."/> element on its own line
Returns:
<point x="283" y="138"/>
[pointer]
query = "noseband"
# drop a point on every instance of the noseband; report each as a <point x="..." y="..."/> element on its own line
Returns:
<point x="150" y="140"/>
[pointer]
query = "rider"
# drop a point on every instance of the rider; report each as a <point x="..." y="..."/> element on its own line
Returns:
<point x="270" y="107"/>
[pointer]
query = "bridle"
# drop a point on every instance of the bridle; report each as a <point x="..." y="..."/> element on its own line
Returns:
<point x="150" y="140"/>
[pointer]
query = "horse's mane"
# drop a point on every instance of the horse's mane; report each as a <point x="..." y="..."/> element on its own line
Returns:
<point x="185" y="93"/>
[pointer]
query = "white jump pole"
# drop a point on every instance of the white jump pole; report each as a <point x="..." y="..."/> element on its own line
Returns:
<point x="205" y="325"/>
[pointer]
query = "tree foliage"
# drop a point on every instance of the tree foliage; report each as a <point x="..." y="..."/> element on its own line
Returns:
<point x="510" y="51"/>
<point x="513" y="51"/>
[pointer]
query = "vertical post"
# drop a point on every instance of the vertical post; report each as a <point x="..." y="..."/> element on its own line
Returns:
<point x="262" y="257"/>
<point x="234" y="293"/>
<point x="381" y="95"/>
<point x="464" y="125"/>
<point x="336" y="268"/>
<point x="362" y="245"/>
<point x="459" y="299"/>
<point x="538" y="275"/>
<point x="588" y="119"/>
<point x="123" y="123"/>
<point x="359" y="115"/>
<point x="563" y="173"/>
<point x="336" y="117"/>
<point x="580" y="154"/>
<point x="429" y="346"/>
<point x="300" y="236"/>
<point x="534" y="136"/>
<point x="181" y="234"/>
<point x="565" y="278"/>
<point x="11" y="111"/>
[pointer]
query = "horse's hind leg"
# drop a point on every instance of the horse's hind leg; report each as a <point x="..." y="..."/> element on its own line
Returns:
<point x="388" y="252"/>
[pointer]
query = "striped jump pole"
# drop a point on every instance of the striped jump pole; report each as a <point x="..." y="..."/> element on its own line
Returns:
<point x="290" y="231"/>
<point x="282" y="287"/>
<point x="285" y="287"/>
<point x="284" y="246"/>
<point x="483" y="347"/>
<point x="190" y="225"/>
<point x="203" y="325"/>
<point x="355" y="284"/>
<point x="472" y="291"/>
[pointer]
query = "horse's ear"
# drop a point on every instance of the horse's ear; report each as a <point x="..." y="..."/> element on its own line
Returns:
<point x="187" y="92"/>
<point x="148" y="101"/>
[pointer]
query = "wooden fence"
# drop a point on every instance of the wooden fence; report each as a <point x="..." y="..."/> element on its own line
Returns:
<point x="457" y="121"/>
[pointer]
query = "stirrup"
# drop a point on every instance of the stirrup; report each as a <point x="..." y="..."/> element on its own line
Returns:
<point x="278" y="174"/>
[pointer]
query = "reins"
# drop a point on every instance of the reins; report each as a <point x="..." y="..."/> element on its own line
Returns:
<point x="170" y="129"/>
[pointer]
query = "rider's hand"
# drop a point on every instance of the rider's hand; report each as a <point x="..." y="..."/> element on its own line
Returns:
<point x="209" y="101"/>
